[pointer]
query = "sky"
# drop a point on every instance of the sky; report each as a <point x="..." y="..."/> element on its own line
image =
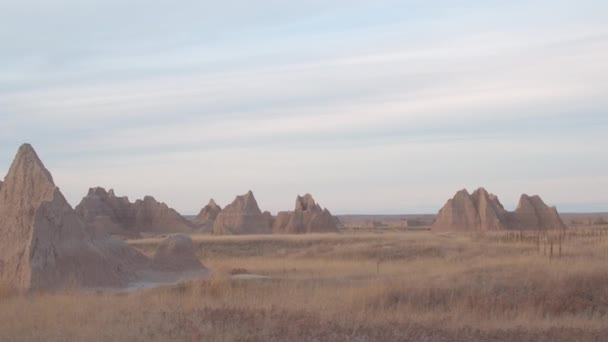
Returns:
<point x="385" y="107"/>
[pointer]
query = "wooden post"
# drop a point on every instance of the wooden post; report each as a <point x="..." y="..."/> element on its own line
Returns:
<point x="551" y="251"/>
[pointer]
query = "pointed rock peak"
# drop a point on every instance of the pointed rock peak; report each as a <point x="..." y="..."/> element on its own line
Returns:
<point x="27" y="153"/>
<point x="28" y="174"/>
<point x="462" y="193"/>
<point x="212" y="204"/>
<point x="534" y="200"/>
<point x="27" y="164"/>
<point x="524" y="198"/>
<point x="249" y="196"/>
<point x="149" y="199"/>
<point x="25" y="150"/>
<point x="245" y="202"/>
<point x="98" y="191"/>
<point x="305" y="203"/>
<point x="111" y="193"/>
<point x="481" y="191"/>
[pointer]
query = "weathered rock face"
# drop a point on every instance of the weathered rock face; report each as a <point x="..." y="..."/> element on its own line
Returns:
<point x="176" y="254"/>
<point x="243" y="216"/>
<point x="492" y="215"/>
<point x="157" y="217"/>
<point x="206" y="218"/>
<point x="308" y="217"/>
<point x="458" y="214"/>
<point x="45" y="244"/>
<point x="533" y="213"/>
<point x="106" y="212"/>
<point x="116" y="215"/>
<point x="481" y="211"/>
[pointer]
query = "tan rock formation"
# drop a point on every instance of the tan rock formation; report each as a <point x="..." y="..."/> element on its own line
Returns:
<point x="44" y="243"/>
<point x="105" y="212"/>
<point x="116" y="215"/>
<point x="157" y="217"/>
<point x="176" y="253"/>
<point x="533" y="213"/>
<point x="308" y="217"/>
<point x="242" y="216"/>
<point x="206" y="218"/>
<point x="481" y="211"/>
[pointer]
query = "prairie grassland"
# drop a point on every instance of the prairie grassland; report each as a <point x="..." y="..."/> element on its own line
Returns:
<point x="349" y="287"/>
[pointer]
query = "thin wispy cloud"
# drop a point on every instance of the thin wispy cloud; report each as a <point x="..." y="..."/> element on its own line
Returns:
<point x="404" y="101"/>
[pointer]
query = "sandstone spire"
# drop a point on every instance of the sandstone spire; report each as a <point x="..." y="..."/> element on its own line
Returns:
<point x="206" y="218"/>
<point x="44" y="243"/>
<point x="308" y="217"/>
<point x="242" y="216"/>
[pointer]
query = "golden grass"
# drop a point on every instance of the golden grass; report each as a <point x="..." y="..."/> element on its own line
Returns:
<point x="367" y="287"/>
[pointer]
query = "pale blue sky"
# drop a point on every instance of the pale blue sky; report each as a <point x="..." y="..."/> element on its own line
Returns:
<point x="373" y="106"/>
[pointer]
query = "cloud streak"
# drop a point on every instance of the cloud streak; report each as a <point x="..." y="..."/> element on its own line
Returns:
<point x="215" y="99"/>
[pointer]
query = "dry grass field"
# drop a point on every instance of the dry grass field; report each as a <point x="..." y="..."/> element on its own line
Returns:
<point x="414" y="286"/>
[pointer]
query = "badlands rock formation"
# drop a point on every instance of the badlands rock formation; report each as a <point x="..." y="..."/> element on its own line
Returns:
<point x="533" y="213"/>
<point x="44" y="243"/>
<point x="176" y="253"/>
<point x="243" y="216"/>
<point x="206" y="218"/>
<point x="479" y="211"/>
<point x="157" y="217"/>
<point x="308" y="217"/>
<point x="482" y="211"/>
<point x="105" y="211"/>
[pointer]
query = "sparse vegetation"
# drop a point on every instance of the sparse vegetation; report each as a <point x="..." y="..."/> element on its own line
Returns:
<point x="361" y="287"/>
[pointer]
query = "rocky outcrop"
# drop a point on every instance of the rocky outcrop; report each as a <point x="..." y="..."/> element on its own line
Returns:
<point x="176" y="254"/>
<point x="308" y="217"/>
<point x="157" y="217"/>
<point x="206" y="218"/>
<point x="533" y="213"/>
<point x="242" y="216"/>
<point x="45" y="244"/>
<point x="482" y="211"/>
<point x="117" y="215"/>
<point x="105" y="212"/>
